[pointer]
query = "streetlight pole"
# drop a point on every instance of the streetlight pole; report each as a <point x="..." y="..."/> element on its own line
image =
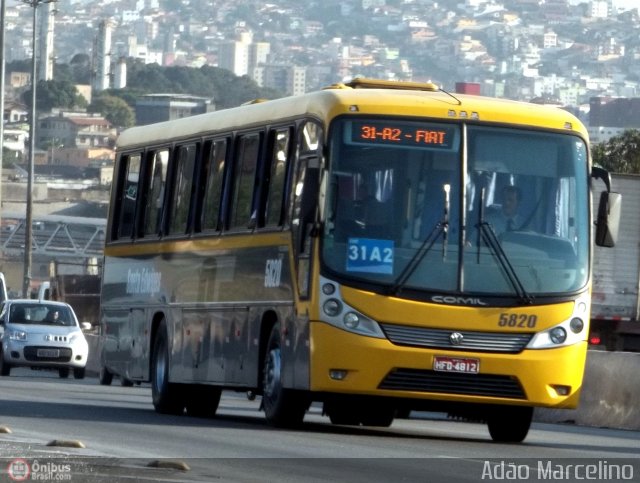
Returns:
<point x="2" y="74"/>
<point x="28" y="237"/>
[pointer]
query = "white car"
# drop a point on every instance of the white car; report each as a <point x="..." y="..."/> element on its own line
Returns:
<point x="42" y="334"/>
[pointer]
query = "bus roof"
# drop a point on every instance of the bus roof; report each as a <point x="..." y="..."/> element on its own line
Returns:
<point x="373" y="97"/>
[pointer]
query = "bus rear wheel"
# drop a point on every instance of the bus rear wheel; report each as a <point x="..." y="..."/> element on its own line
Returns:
<point x="166" y="397"/>
<point x="509" y="424"/>
<point x="282" y="407"/>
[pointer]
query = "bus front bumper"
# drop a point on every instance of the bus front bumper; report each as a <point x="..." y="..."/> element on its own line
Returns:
<point x="346" y="363"/>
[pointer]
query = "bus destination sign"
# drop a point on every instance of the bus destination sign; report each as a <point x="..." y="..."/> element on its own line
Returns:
<point x="404" y="133"/>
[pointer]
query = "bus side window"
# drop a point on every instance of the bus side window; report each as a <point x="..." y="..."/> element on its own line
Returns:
<point x="183" y="182"/>
<point x="154" y="198"/>
<point x="128" y="195"/>
<point x="277" y="171"/>
<point x="213" y="176"/>
<point x="244" y="181"/>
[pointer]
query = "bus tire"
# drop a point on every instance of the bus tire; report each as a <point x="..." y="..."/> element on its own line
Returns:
<point x="166" y="397"/>
<point x="510" y="424"/>
<point x="282" y="407"/>
<point x="203" y="401"/>
<point x="379" y="415"/>
<point x="346" y="415"/>
<point x="105" y="378"/>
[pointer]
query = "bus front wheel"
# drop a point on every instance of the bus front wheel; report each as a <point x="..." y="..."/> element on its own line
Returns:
<point x="509" y="424"/>
<point x="166" y="397"/>
<point x="282" y="407"/>
<point x="203" y="401"/>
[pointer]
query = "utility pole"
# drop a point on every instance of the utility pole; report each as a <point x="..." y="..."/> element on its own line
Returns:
<point x="28" y="237"/>
<point x="2" y="75"/>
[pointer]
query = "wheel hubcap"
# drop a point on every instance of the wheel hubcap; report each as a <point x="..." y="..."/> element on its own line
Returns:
<point x="272" y="380"/>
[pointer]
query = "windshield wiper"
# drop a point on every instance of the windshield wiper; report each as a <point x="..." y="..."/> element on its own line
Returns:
<point x="486" y="234"/>
<point x="440" y="228"/>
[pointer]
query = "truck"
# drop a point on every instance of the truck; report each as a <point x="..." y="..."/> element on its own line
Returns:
<point x="79" y="286"/>
<point x="615" y="305"/>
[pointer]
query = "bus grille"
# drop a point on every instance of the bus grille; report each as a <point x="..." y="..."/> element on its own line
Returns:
<point x="450" y="383"/>
<point x="471" y="341"/>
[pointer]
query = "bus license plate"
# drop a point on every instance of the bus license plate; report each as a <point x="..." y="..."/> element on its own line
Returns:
<point x="48" y="353"/>
<point x="456" y="364"/>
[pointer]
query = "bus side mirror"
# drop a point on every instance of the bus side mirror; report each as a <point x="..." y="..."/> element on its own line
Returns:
<point x="608" y="220"/>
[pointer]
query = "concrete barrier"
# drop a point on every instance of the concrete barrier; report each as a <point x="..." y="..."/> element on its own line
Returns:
<point x="610" y="394"/>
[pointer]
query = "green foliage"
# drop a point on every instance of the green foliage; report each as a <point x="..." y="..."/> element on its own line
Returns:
<point x="620" y="154"/>
<point x="53" y="93"/>
<point x="227" y="89"/>
<point x="114" y="109"/>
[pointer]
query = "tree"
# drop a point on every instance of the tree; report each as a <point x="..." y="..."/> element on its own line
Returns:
<point x="620" y="154"/>
<point x="53" y="93"/>
<point x="114" y="109"/>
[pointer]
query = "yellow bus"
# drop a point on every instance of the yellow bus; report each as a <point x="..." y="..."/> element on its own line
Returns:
<point x="343" y="247"/>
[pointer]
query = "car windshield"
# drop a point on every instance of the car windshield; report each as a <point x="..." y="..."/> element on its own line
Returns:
<point x="40" y="314"/>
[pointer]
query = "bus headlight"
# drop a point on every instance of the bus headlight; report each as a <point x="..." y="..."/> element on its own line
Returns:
<point x="576" y="325"/>
<point x="558" y="335"/>
<point x="332" y="307"/>
<point x="569" y="332"/>
<point x="351" y="320"/>
<point x="339" y="314"/>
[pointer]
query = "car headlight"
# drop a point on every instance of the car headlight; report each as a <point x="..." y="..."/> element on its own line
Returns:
<point x="18" y="335"/>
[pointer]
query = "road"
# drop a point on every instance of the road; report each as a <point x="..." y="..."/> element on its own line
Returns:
<point x="122" y="435"/>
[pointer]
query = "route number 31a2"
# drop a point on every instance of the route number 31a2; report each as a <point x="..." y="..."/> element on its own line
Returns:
<point x="370" y="255"/>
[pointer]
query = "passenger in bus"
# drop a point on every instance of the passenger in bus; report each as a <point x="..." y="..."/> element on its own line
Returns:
<point x="507" y="217"/>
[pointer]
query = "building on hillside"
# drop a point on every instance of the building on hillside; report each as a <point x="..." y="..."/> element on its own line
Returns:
<point x="289" y="79"/>
<point x="82" y="157"/>
<point x="46" y="55"/>
<point x="15" y="140"/>
<point x="620" y="112"/>
<point x="75" y="130"/>
<point x="167" y="107"/>
<point x="14" y="112"/>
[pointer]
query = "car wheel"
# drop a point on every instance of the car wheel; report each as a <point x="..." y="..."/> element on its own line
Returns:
<point x="124" y="382"/>
<point x="105" y="377"/>
<point x="63" y="372"/>
<point x="79" y="372"/>
<point x="282" y="407"/>
<point x="166" y="396"/>
<point x="5" y="367"/>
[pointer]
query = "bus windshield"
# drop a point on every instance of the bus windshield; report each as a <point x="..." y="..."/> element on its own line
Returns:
<point x="409" y="207"/>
